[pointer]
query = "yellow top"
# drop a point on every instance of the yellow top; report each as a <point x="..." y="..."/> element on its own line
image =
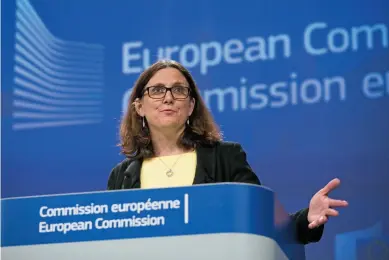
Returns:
<point x="155" y="171"/>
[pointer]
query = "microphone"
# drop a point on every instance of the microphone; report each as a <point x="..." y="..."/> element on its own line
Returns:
<point x="126" y="181"/>
<point x="128" y="175"/>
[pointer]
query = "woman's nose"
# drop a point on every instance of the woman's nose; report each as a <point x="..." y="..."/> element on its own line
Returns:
<point x="168" y="97"/>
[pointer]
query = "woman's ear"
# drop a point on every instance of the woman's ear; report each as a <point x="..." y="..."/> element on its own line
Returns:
<point x="192" y="104"/>
<point x="139" y="107"/>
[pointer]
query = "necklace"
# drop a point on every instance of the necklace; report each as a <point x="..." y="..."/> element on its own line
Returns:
<point x="169" y="173"/>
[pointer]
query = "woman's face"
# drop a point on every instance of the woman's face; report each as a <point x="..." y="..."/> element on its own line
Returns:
<point x="163" y="108"/>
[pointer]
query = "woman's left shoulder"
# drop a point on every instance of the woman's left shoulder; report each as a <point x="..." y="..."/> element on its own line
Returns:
<point x="223" y="149"/>
<point x="229" y="146"/>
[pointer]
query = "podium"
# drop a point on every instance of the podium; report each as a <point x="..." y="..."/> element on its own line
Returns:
<point x="212" y="221"/>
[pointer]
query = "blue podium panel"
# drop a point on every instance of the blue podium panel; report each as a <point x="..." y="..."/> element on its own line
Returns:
<point x="218" y="221"/>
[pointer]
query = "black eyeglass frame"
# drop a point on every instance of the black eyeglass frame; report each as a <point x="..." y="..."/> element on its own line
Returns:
<point x="147" y="89"/>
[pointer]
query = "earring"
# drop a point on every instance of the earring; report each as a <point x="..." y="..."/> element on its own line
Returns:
<point x="143" y="122"/>
<point x="187" y="121"/>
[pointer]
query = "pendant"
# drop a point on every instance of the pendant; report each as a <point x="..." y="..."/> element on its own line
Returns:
<point x="169" y="173"/>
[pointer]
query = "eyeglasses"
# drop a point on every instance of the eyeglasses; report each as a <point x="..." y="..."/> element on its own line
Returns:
<point x="159" y="92"/>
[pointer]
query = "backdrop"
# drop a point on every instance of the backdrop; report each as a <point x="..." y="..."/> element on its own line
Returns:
<point x="304" y="87"/>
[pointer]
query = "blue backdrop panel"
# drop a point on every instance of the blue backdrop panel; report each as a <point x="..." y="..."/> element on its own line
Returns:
<point x="304" y="87"/>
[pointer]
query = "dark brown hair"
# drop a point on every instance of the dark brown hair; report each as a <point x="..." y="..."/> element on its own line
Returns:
<point x="136" y="139"/>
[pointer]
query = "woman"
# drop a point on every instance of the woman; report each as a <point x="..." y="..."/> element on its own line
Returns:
<point x="170" y="139"/>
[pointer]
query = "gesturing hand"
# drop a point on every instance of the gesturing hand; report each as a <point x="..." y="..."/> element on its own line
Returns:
<point x="321" y="206"/>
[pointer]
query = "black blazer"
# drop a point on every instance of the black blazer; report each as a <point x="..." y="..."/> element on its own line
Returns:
<point x="221" y="162"/>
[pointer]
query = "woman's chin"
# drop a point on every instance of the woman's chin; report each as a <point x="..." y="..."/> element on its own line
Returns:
<point x="169" y="124"/>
